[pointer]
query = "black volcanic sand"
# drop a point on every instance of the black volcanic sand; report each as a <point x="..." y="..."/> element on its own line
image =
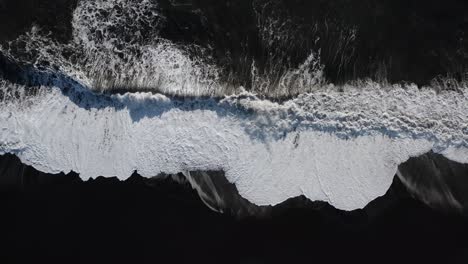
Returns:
<point x="57" y="219"/>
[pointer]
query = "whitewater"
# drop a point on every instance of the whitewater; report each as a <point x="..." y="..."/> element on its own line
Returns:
<point x="338" y="144"/>
<point x="342" y="147"/>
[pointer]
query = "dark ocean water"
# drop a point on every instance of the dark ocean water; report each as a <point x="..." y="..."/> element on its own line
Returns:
<point x="400" y="40"/>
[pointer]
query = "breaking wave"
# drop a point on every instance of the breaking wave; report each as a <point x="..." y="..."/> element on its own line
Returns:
<point x="178" y="111"/>
<point x="327" y="145"/>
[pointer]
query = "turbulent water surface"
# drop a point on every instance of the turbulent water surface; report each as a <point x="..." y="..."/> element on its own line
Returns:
<point x="267" y="103"/>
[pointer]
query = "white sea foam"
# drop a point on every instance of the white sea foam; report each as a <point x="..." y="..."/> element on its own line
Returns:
<point x="116" y="45"/>
<point x="338" y="144"/>
<point x="121" y="48"/>
<point x="339" y="147"/>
